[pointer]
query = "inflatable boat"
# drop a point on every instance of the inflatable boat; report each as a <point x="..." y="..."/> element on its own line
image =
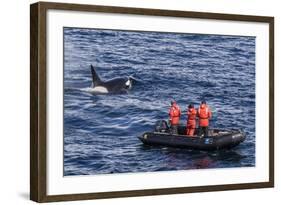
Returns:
<point x="216" y="138"/>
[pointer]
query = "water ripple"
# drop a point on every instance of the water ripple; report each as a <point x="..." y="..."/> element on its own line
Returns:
<point x="100" y="131"/>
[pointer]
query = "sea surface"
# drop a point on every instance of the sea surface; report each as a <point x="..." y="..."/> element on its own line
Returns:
<point x="100" y="131"/>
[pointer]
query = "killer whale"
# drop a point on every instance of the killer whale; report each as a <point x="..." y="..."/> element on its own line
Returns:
<point x="115" y="85"/>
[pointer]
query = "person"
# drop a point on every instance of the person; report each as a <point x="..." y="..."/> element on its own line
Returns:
<point x="191" y="120"/>
<point x="174" y="114"/>
<point x="204" y="113"/>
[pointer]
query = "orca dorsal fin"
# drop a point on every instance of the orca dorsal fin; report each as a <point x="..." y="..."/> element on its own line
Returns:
<point x="95" y="77"/>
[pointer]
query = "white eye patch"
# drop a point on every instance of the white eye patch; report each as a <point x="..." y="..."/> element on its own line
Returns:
<point x="128" y="83"/>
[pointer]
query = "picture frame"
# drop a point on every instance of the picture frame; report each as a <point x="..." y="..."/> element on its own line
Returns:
<point x="39" y="102"/>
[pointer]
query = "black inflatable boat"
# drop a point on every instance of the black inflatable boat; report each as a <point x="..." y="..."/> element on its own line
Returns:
<point x="216" y="139"/>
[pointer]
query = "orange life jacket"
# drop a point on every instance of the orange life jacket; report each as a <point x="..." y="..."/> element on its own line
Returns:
<point x="204" y="114"/>
<point x="175" y="114"/>
<point x="191" y="116"/>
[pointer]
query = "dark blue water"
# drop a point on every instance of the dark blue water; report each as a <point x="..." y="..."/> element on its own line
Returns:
<point x="100" y="131"/>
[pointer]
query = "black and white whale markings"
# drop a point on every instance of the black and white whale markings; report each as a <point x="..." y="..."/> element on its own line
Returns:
<point x="115" y="85"/>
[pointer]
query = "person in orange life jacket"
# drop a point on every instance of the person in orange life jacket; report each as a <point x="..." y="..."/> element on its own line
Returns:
<point x="191" y="120"/>
<point x="204" y="113"/>
<point x="174" y="114"/>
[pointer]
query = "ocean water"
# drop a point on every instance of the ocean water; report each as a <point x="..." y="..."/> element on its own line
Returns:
<point x="100" y="131"/>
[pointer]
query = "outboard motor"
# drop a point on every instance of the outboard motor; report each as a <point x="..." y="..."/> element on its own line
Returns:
<point x="161" y="126"/>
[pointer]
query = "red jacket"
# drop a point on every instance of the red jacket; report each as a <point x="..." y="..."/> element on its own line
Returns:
<point x="174" y="114"/>
<point x="191" y="116"/>
<point x="204" y="114"/>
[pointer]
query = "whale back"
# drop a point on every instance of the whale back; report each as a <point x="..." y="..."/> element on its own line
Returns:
<point x="115" y="85"/>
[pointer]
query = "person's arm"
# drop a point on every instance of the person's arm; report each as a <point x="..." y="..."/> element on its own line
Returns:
<point x="210" y="113"/>
<point x="170" y="114"/>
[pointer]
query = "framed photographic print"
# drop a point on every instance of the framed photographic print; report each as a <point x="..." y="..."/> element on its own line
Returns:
<point x="135" y="102"/>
